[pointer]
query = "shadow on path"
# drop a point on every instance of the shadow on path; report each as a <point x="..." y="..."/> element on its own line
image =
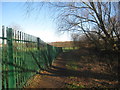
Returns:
<point x="63" y="72"/>
<point x="57" y="75"/>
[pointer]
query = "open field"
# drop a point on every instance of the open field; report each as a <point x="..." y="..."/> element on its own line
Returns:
<point x="65" y="44"/>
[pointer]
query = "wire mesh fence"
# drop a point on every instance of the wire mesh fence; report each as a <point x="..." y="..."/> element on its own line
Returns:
<point x="22" y="56"/>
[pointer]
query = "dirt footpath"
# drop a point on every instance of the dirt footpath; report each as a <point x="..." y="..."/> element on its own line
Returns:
<point x="52" y="78"/>
<point x="75" y="69"/>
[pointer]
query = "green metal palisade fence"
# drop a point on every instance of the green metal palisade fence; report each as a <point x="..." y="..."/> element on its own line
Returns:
<point x="23" y="55"/>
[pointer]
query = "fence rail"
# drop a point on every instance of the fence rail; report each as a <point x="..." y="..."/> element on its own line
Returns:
<point x="23" y="55"/>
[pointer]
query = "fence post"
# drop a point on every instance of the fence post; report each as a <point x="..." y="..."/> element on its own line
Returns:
<point x="38" y="48"/>
<point x="60" y="49"/>
<point x="11" y="83"/>
<point x="38" y="44"/>
<point x="49" y="55"/>
<point x="3" y="79"/>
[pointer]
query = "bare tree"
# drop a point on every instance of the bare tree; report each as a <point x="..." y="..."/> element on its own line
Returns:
<point x="16" y="27"/>
<point x="75" y="39"/>
<point x="83" y="16"/>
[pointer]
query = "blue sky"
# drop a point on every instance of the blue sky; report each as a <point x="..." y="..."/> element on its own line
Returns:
<point x="39" y="24"/>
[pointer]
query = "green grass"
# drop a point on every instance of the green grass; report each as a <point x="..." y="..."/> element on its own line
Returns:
<point x="74" y="85"/>
<point x="65" y="49"/>
<point x="72" y="65"/>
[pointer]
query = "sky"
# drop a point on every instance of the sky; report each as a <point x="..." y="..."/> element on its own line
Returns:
<point x="39" y="24"/>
